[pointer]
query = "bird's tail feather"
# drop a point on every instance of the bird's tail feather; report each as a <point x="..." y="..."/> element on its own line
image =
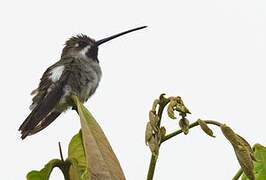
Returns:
<point x="40" y="126"/>
<point x="42" y="111"/>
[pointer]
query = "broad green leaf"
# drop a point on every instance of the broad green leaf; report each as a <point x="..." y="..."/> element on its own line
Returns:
<point x="101" y="160"/>
<point x="44" y="173"/>
<point x="76" y="155"/>
<point x="260" y="165"/>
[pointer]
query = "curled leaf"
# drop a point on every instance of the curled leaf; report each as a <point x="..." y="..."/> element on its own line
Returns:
<point x="245" y="161"/>
<point x="155" y="104"/>
<point x="162" y="132"/>
<point x="247" y="145"/>
<point x="148" y="133"/>
<point x="242" y="151"/>
<point x="181" y="106"/>
<point x="154" y="120"/>
<point x="151" y="116"/>
<point x="162" y="99"/>
<point x="205" y="128"/>
<point x="176" y="104"/>
<point x="154" y="145"/>
<point x="229" y="134"/>
<point x="153" y="133"/>
<point x="170" y="109"/>
<point x="184" y="125"/>
<point x="185" y="110"/>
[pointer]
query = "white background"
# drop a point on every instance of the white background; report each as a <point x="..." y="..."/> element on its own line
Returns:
<point x="210" y="52"/>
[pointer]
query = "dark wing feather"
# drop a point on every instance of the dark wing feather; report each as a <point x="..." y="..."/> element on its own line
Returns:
<point x="46" y="101"/>
<point x="43" y="124"/>
<point x="44" y="85"/>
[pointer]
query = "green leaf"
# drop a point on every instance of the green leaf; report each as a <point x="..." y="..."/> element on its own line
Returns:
<point x="101" y="160"/>
<point x="260" y="164"/>
<point x="44" y="173"/>
<point x="76" y="155"/>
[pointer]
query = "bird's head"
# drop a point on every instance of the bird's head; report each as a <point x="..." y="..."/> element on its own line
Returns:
<point x="82" y="46"/>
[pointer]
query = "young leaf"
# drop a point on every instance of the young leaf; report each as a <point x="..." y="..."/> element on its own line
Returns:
<point x="76" y="155"/>
<point x="241" y="150"/>
<point x="247" y="145"/>
<point x="184" y="125"/>
<point x="44" y="173"/>
<point x="154" y="119"/>
<point x="162" y="132"/>
<point x="170" y="109"/>
<point x="155" y="104"/>
<point x="102" y="162"/>
<point x="205" y="128"/>
<point x="154" y="144"/>
<point x="148" y="133"/>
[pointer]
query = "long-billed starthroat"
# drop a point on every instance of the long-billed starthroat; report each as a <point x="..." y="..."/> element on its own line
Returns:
<point x="77" y="73"/>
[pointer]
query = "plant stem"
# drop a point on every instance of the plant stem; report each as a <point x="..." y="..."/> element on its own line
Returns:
<point x="60" y="151"/>
<point x="169" y="136"/>
<point x="152" y="167"/>
<point x="63" y="165"/>
<point x="238" y="174"/>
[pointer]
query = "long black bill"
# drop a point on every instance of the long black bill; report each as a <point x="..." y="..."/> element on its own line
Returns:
<point x="117" y="35"/>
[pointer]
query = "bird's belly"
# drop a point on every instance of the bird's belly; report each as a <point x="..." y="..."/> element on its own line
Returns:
<point x="83" y="93"/>
<point x="88" y="90"/>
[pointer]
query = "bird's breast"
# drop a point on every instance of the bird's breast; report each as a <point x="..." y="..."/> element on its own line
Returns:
<point x="87" y="76"/>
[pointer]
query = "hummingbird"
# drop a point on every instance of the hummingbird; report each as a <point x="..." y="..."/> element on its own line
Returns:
<point x="76" y="73"/>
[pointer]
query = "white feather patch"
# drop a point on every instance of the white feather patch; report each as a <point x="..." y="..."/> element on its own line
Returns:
<point x="56" y="73"/>
<point x="84" y="51"/>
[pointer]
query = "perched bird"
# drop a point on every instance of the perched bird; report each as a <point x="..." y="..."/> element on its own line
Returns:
<point x="77" y="73"/>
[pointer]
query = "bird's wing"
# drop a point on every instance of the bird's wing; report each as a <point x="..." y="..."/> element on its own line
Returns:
<point x="48" y="95"/>
<point x="44" y="85"/>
